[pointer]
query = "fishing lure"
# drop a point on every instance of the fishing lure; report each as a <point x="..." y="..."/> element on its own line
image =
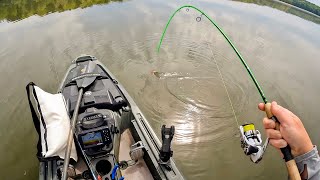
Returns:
<point x="250" y="138"/>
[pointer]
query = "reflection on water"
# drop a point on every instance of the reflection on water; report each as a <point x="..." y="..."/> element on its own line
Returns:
<point x="14" y="10"/>
<point x="285" y="8"/>
<point x="185" y="131"/>
<point x="184" y="89"/>
<point x="164" y="75"/>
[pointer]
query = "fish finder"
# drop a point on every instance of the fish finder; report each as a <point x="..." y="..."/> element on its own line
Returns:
<point x="95" y="138"/>
<point x="94" y="134"/>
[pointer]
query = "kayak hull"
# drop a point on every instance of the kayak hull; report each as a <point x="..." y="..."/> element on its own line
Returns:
<point x="112" y="97"/>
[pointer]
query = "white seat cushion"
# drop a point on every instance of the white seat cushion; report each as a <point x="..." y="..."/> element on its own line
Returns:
<point x="54" y="125"/>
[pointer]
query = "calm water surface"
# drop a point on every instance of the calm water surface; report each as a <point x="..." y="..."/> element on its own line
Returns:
<point x="280" y="45"/>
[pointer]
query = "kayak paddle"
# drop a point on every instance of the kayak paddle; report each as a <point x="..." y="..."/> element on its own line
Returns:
<point x="85" y="79"/>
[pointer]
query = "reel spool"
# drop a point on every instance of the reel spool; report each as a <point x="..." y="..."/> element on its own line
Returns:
<point x="251" y="142"/>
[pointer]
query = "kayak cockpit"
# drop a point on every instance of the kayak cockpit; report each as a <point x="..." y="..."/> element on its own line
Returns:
<point x="112" y="137"/>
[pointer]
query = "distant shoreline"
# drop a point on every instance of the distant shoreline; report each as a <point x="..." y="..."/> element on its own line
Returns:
<point x="302" y="9"/>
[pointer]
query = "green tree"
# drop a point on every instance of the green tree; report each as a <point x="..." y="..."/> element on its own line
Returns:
<point x="13" y="10"/>
<point x="303" y="4"/>
<point x="285" y="8"/>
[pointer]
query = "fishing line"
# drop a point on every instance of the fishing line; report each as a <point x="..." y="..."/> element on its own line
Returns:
<point x="221" y="77"/>
<point x="226" y="38"/>
<point x="225" y="87"/>
<point x="252" y="147"/>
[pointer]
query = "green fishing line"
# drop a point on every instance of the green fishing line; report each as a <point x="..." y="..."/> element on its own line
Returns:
<point x="228" y="40"/>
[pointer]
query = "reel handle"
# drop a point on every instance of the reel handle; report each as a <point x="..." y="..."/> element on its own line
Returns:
<point x="292" y="168"/>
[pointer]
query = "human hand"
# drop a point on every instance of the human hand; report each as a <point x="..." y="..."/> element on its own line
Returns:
<point x="291" y="131"/>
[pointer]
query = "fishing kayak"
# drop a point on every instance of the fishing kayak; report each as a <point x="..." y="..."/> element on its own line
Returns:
<point x="113" y="138"/>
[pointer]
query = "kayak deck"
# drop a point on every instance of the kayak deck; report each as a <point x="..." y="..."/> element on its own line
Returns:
<point x="109" y="94"/>
<point x="138" y="171"/>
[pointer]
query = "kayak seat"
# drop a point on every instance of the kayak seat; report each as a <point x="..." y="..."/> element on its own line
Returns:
<point x="102" y="94"/>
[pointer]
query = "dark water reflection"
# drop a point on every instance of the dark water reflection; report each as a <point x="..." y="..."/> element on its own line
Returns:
<point x="285" y="8"/>
<point x="281" y="49"/>
<point x="14" y="10"/>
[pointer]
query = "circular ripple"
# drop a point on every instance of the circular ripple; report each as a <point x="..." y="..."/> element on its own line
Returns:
<point x="208" y="93"/>
<point x="191" y="77"/>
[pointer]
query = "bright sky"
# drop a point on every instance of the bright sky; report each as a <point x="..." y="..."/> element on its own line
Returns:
<point x="317" y="2"/>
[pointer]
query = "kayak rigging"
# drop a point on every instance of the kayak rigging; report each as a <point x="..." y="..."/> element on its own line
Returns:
<point x="250" y="137"/>
<point x="105" y="116"/>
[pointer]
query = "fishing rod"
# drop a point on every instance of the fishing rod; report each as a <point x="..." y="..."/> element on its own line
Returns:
<point x="250" y="137"/>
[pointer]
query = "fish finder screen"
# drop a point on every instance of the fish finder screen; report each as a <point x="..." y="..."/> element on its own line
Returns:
<point x="91" y="139"/>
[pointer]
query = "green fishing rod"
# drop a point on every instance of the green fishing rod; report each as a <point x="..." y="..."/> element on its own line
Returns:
<point x="251" y="147"/>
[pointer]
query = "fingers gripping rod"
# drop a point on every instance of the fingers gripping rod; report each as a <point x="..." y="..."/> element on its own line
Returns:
<point x="256" y="136"/>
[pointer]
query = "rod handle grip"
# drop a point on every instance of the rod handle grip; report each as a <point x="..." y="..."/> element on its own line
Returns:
<point x="292" y="168"/>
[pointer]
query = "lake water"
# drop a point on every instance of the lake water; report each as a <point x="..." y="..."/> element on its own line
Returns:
<point x="39" y="39"/>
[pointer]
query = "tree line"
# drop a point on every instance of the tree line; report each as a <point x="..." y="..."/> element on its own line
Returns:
<point x="303" y="4"/>
<point x="13" y="10"/>
<point x="285" y="8"/>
